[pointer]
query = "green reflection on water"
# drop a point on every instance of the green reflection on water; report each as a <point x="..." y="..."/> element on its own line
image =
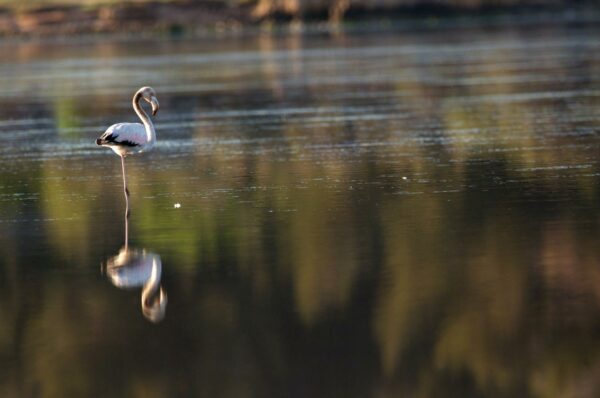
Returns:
<point x="452" y="252"/>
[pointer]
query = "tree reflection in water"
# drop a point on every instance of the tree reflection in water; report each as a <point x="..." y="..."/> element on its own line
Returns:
<point x="408" y="214"/>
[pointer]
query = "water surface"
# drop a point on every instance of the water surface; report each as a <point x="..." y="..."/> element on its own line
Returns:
<point x="400" y="213"/>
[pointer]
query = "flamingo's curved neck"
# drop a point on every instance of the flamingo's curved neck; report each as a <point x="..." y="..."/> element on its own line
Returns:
<point x="154" y="300"/>
<point x="153" y="283"/>
<point x="148" y="125"/>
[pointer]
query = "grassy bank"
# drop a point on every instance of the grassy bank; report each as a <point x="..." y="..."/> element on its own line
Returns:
<point x="88" y="16"/>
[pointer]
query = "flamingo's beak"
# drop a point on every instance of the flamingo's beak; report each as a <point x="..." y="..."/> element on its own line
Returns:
<point x="155" y="105"/>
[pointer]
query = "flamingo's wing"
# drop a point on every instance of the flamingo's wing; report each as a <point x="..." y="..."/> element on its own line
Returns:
<point x="124" y="134"/>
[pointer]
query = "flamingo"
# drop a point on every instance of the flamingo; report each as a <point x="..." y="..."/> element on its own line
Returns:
<point x="131" y="138"/>
<point x="132" y="268"/>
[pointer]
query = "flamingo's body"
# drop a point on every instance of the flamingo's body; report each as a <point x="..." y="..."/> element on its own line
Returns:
<point x="134" y="268"/>
<point x="126" y="139"/>
<point x="131" y="138"/>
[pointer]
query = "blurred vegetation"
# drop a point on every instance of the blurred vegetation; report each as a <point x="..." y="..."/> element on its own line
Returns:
<point x="176" y="16"/>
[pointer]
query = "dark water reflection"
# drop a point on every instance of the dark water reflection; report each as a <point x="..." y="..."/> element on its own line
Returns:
<point x="391" y="214"/>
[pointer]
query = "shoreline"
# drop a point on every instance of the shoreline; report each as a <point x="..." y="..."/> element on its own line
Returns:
<point x="190" y="19"/>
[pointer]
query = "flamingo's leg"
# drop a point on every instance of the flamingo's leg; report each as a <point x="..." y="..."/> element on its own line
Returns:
<point x="126" y="227"/>
<point x="125" y="190"/>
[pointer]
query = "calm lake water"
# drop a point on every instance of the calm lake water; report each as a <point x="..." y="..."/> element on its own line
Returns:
<point x="407" y="213"/>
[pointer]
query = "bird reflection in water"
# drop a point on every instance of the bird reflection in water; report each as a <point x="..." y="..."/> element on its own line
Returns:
<point x="133" y="268"/>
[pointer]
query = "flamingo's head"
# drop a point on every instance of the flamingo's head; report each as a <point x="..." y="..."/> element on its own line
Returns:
<point x="149" y="95"/>
<point x="154" y="306"/>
